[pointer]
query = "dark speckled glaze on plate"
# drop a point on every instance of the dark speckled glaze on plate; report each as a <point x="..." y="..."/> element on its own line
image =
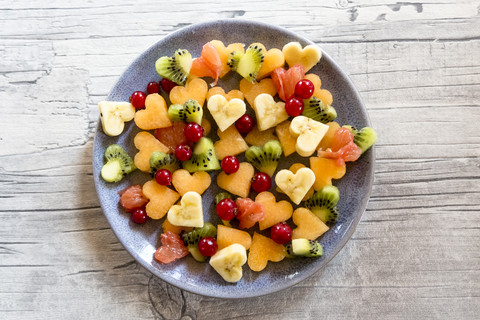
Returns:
<point x="142" y="240"/>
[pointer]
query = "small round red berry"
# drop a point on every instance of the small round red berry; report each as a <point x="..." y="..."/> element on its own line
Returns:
<point x="304" y="89"/>
<point x="244" y="124"/>
<point x="167" y="85"/>
<point x="193" y="132"/>
<point x="230" y="164"/>
<point x="163" y="177"/>
<point x="281" y="233"/>
<point x="207" y="246"/>
<point x="226" y="209"/>
<point x="294" y="106"/>
<point x="261" y="182"/>
<point x="139" y="216"/>
<point x="153" y="87"/>
<point x="138" y="99"/>
<point x="183" y="152"/>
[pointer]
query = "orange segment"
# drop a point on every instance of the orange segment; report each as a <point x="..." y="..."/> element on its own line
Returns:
<point x="259" y="138"/>
<point x="154" y="115"/>
<point x="227" y="236"/>
<point x="325" y="170"/>
<point x="232" y="94"/>
<point x="195" y="89"/>
<point x="275" y="212"/>
<point x="146" y="144"/>
<point x="286" y="139"/>
<point x="184" y="182"/>
<point x="328" y="138"/>
<point x="239" y="182"/>
<point x="252" y="90"/>
<point x="231" y="143"/>
<point x="161" y="199"/>
<point x="223" y="52"/>
<point x="309" y="226"/>
<point x="264" y="249"/>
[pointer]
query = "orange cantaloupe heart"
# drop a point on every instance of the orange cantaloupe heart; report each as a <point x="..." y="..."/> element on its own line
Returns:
<point x="154" y="115"/>
<point x="227" y="236"/>
<point x="230" y="143"/>
<point x="275" y="212"/>
<point x="262" y="250"/>
<point x="184" y="182"/>
<point x="239" y="182"/>
<point x="146" y="144"/>
<point x="309" y="226"/>
<point x="161" y="199"/>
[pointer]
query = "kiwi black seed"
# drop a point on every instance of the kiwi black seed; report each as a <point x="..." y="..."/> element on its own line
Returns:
<point x="265" y="159"/>
<point x="118" y="164"/>
<point x="175" y="68"/>
<point x="314" y="108"/>
<point x="203" y="157"/>
<point x="192" y="238"/>
<point x="323" y="203"/>
<point x="161" y="160"/>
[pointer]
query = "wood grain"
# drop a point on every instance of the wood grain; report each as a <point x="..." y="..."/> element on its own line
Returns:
<point x="415" y="253"/>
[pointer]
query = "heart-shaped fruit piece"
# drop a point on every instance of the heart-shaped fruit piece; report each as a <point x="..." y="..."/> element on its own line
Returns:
<point x="227" y="236"/>
<point x="307" y="57"/>
<point x="189" y="213"/>
<point x="239" y="182"/>
<point x="309" y="226"/>
<point x="184" y="182"/>
<point x="294" y="168"/>
<point x="273" y="59"/>
<point x="323" y="204"/>
<point x="161" y="199"/>
<point x="249" y="63"/>
<point x="249" y="212"/>
<point x="167" y="226"/>
<point x="190" y="111"/>
<point x="208" y="64"/>
<point x="232" y="94"/>
<point x="113" y="115"/>
<point x="295" y="185"/>
<point x="287" y="141"/>
<point x="265" y="159"/>
<point x="269" y="113"/>
<point x="146" y="145"/>
<point x="252" y="90"/>
<point x="228" y="262"/>
<point x="154" y="115"/>
<point x="264" y="249"/>
<point x="325" y="170"/>
<point x="224" y="52"/>
<point x="195" y="89"/>
<point x="285" y="81"/>
<point x="225" y="112"/>
<point x="231" y="143"/>
<point x="175" y="68"/>
<point x="309" y="133"/>
<point x="259" y="138"/>
<point x="275" y="212"/>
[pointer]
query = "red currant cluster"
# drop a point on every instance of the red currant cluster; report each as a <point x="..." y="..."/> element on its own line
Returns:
<point x="303" y="90"/>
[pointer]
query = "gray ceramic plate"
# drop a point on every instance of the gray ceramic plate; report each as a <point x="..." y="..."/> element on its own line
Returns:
<point x="142" y="240"/>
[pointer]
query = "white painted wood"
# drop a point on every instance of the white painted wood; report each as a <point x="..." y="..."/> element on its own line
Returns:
<point x="415" y="254"/>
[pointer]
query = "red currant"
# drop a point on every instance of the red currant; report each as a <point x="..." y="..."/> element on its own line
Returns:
<point x="138" y="99"/>
<point x="163" y="177"/>
<point x="153" y="87"/>
<point x="294" y="106"/>
<point x="193" y="132"/>
<point x="183" y="152"/>
<point x="226" y="209"/>
<point x="230" y="164"/>
<point x="261" y="182"/>
<point x="304" y="89"/>
<point x="207" y="246"/>
<point x="281" y="233"/>
<point x="245" y="124"/>
<point x="167" y="85"/>
<point x="139" y="216"/>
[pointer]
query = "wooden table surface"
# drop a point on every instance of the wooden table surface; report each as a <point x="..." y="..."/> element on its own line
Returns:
<point x="416" y="251"/>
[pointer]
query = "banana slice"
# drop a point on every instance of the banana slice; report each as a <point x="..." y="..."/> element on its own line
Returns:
<point x="309" y="133"/>
<point x="114" y="114"/>
<point x="295" y="185"/>
<point x="189" y="213"/>
<point x="228" y="262"/>
<point x="307" y="57"/>
<point x="269" y="113"/>
<point x="225" y="112"/>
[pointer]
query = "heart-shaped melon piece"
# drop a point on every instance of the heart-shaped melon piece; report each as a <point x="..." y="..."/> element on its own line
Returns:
<point x="252" y="90"/>
<point x="295" y="185"/>
<point x="269" y="113"/>
<point x="184" y="182"/>
<point x="161" y="199"/>
<point x="146" y="144"/>
<point x="228" y="262"/>
<point x="308" y="132"/>
<point x="262" y="250"/>
<point x="195" y="89"/>
<point x="227" y="236"/>
<point x="189" y="213"/>
<point x="325" y="170"/>
<point x="239" y="182"/>
<point x="275" y="212"/>
<point x="232" y="94"/>
<point x="309" y="226"/>
<point x="225" y="112"/>
<point x="259" y="138"/>
<point x="287" y="141"/>
<point x="307" y="57"/>
<point x="113" y="115"/>
<point x="167" y="226"/>
<point x="231" y="143"/>
<point x="154" y="115"/>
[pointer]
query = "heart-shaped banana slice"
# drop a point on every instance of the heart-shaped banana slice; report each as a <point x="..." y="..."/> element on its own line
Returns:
<point x="307" y="57"/>
<point x="269" y="113"/>
<point x="295" y="185"/>
<point x="228" y="262"/>
<point x="225" y="112"/>
<point x="308" y="132"/>
<point x="114" y="114"/>
<point x="189" y="213"/>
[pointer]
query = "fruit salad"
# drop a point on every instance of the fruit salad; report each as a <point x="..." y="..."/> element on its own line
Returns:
<point x="278" y="109"/>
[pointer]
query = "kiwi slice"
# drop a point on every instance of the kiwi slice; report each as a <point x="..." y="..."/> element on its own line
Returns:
<point x="161" y="160"/>
<point x="118" y="165"/>
<point x="192" y="238"/>
<point x="203" y="157"/>
<point x="265" y="159"/>
<point x="314" y="108"/>
<point x="191" y="111"/>
<point x="175" y="68"/>
<point x="323" y="203"/>
<point x="304" y="248"/>
<point x="222" y="195"/>
<point x="365" y="138"/>
<point x="248" y="64"/>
